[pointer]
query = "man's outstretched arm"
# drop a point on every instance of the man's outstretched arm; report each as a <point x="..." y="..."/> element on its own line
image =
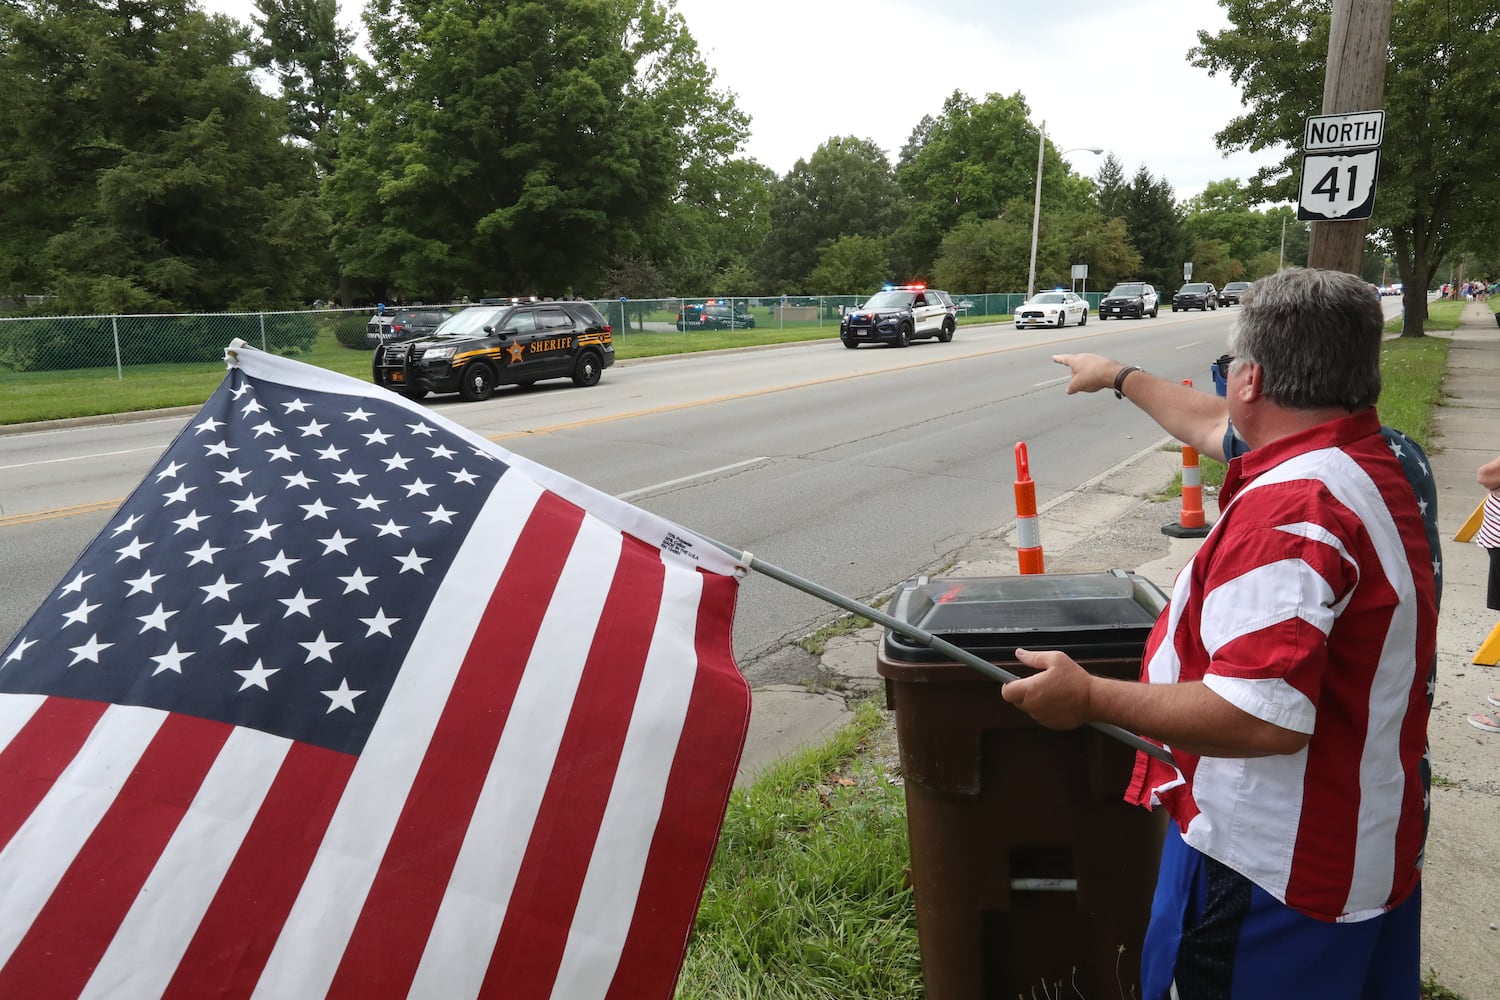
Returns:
<point x="1192" y="417"/>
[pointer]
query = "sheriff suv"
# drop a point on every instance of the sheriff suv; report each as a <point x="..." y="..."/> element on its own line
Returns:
<point x="900" y="314"/>
<point x="488" y="346"/>
<point x="1133" y="299"/>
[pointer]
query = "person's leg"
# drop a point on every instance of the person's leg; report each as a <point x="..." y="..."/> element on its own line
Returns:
<point x="1178" y="883"/>
<point x="1492" y="596"/>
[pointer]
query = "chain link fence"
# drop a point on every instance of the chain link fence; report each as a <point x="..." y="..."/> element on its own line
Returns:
<point x="145" y="344"/>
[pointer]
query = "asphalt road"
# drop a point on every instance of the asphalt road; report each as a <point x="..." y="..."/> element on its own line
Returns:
<point x="855" y="469"/>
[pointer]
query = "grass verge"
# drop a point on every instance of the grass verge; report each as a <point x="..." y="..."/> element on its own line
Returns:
<point x="807" y="897"/>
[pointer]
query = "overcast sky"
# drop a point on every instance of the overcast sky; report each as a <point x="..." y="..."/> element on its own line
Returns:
<point x="1100" y="73"/>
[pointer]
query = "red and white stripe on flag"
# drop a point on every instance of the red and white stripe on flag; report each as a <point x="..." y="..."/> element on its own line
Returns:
<point x="533" y="814"/>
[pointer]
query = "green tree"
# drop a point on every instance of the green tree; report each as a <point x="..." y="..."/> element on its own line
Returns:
<point x="1154" y="223"/>
<point x="1438" y="161"/>
<point x="995" y="253"/>
<point x="849" y="265"/>
<point x="714" y="227"/>
<point x="1112" y="191"/>
<point x="312" y="56"/>
<point x="141" y="168"/>
<point x="846" y="188"/>
<point x="1222" y="215"/>
<point x="982" y="255"/>
<point x="521" y="145"/>
<point x="966" y="164"/>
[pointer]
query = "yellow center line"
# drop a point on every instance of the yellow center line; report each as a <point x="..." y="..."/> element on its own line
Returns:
<point x="57" y="512"/>
<point x="751" y="393"/>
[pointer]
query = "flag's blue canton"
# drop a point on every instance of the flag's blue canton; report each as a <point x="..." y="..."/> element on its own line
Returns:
<point x="271" y="570"/>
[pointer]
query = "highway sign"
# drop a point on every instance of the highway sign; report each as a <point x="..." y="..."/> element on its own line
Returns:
<point x="1338" y="186"/>
<point x="1355" y="130"/>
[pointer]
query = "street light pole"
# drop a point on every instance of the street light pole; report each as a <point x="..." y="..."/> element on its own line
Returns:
<point x="1036" y="205"/>
<point x="1036" y="209"/>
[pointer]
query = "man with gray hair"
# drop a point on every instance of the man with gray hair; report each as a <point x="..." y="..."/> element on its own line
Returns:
<point x="1291" y="674"/>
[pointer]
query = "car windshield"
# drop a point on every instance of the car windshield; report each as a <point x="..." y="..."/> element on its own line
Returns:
<point x="890" y="300"/>
<point x="1236" y="286"/>
<point x="470" y="322"/>
<point x="1048" y="297"/>
<point x="1125" y="290"/>
<point x="1195" y="289"/>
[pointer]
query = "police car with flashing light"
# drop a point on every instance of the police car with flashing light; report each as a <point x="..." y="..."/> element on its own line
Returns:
<point x="899" y="314"/>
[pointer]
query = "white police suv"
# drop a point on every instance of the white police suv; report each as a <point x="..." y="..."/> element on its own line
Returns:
<point x="899" y="314"/>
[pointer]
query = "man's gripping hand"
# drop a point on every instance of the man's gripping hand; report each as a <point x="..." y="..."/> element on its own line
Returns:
<point x="1057" y="695"/>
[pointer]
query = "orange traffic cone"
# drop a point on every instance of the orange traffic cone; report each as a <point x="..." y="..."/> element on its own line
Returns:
<point x="1028" y="528"/>
<point x="1190" y="522"/>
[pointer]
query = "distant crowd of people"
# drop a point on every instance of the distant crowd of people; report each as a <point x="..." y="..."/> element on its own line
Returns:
<point x="1470" y="291"/>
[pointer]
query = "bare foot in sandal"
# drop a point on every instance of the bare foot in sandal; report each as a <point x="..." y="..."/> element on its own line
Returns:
<point x="1494" y="699"/>
<point x="1487" y="721"/>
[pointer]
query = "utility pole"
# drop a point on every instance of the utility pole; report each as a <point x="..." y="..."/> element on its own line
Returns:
<point x="1358" y="35"/>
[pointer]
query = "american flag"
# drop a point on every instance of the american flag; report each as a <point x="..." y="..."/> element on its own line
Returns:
<point x="346" y="700"/>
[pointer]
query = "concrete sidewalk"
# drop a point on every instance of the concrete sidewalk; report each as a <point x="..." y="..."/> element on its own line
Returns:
<point x="1112" y="523"/>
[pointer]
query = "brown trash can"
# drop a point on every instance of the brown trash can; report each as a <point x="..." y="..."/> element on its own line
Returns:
<point x="1028" y="868"/>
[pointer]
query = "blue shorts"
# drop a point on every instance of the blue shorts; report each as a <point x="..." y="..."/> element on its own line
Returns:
<point x="1215" y="935"/>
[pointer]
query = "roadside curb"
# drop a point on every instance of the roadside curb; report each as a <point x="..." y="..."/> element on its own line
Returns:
<point x="129" y="417"/>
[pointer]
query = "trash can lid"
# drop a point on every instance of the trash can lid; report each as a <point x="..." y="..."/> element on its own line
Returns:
<point x="1101" y="614"/>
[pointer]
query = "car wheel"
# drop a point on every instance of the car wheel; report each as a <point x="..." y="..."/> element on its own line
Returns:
<point x="1154" y="310"/>
<point x="1174" y="307"/>
<point x="477" y="383"/>
<point x="903" y="335"/>
<point x="1084" y="319"/>
<point x="588" y="369"/>
<point x="850" y="344"/>
<point x="947" y="331"/>
<point x="1062" y="319"/>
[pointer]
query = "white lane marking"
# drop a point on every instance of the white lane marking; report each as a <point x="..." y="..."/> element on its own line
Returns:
<point x="1054" y="381"/>
<point x="1188" y="347"/>
<point x="79" y="458"/>
<point x="687" y="479"/>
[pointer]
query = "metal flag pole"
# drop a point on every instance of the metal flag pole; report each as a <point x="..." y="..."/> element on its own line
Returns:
<point x="925" y="638"/>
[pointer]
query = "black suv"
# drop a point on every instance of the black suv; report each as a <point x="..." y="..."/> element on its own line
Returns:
<point x="1129" y="298"/>
<point x="714" y="315"/>
<point x="403" y="324"/>
<point x="1230" y="294"/>
<point x="1196" y="295"/>
<point x="486" y="346"/>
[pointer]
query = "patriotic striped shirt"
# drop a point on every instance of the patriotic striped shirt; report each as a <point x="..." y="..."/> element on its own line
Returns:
<point x="1312" y="604"/>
